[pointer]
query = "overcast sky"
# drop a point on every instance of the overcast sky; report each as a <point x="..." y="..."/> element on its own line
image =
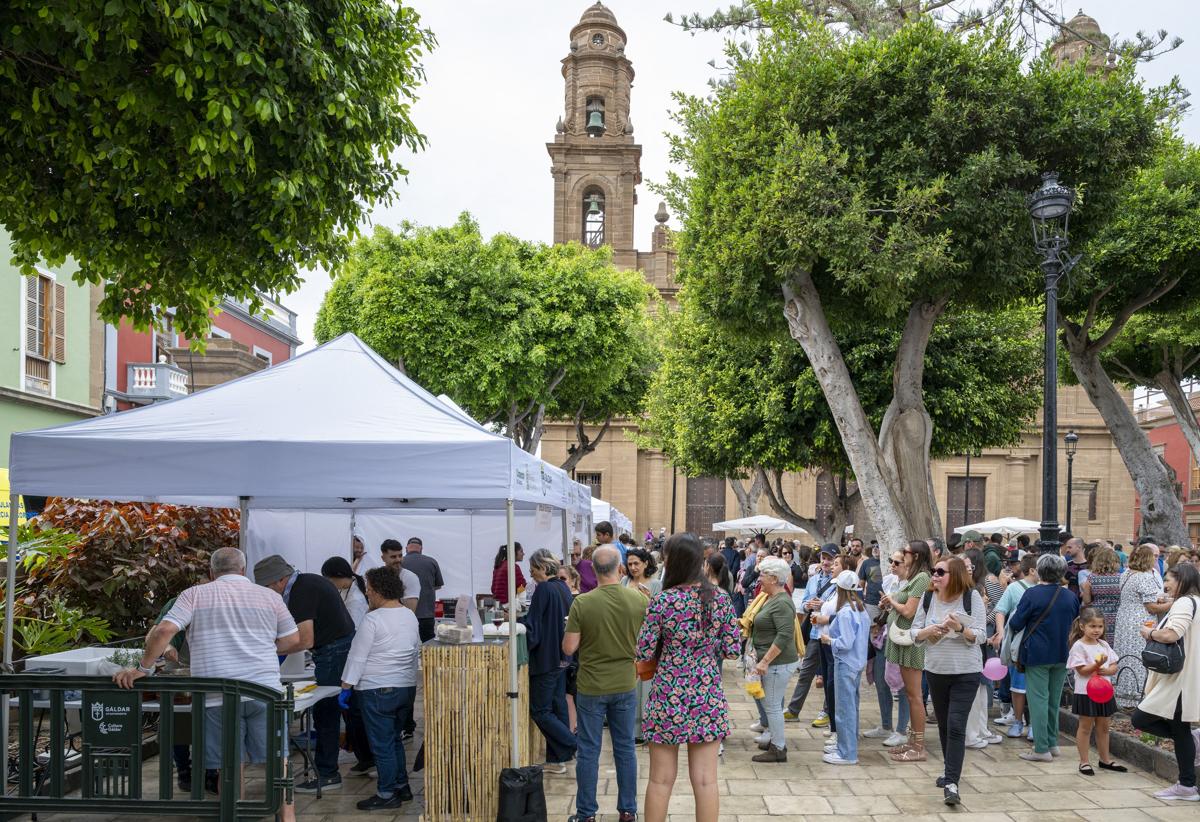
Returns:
<point x="494" y="91"/>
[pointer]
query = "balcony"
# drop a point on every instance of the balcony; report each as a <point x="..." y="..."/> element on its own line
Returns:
<point x="153" y="382"/>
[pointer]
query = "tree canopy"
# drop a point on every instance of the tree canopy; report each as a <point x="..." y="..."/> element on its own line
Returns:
<point x="184" y="151"/>
<point x="834" y="178"/>
<point x="516" y="332"/>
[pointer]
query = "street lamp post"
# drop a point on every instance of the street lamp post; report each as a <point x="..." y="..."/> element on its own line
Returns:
<point x="1050" y="213"/>
<point x="1071" y="445"/>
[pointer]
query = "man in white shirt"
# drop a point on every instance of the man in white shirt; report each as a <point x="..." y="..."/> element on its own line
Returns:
<point x="392" y="554"/>
<point x="235" y="629"/>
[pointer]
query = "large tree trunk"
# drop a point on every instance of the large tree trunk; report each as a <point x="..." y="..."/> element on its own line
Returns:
<point x="1182" y="408"/>
<point x="876" y="481"/>
<point x="907" y="429"/>
<point x="1162" y="512"/>
<point x="747" y="497"/>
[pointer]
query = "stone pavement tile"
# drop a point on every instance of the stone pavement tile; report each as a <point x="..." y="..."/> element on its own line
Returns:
<point x="1175" y="812"/>
<point x="806" y="805"/>
<point x="996" y="784"/>
<point x="918" y="805"/>
<point x="919" y="817"/>
<point x="1045" y="816"/>
<point x="1125" y="799"/>
<point x="1009" y="803"/>
<point x="865" y="805"/>
<point x="1056" y="800"/>
<point x="892" y="787"/>
<point x="951" y="816"/>
<point x="757" y="787"/>
<point x="1115" y="815"/>
<point x="792" y="817"/>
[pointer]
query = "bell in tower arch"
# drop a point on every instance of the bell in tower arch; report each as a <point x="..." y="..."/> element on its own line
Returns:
<point x="595" y="117"/>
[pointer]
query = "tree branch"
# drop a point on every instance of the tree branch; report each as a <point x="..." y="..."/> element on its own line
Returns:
<point x="1130" y="308"/>
<point x="781" y="507"/>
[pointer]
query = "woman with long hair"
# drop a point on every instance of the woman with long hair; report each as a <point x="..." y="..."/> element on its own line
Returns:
<point x="717" y="573"/>
<point x="950" y="623"/>
<point x="687" y="628"/>
<point x="1172" y="701"/>
<point x="902" y="605"/>
<point x="500" y="573"/>
<point x="847" y="638"/>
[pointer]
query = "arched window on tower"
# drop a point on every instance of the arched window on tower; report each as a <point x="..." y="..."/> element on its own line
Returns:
<point x="593" y="218"/>
<point x="595" y="117"/>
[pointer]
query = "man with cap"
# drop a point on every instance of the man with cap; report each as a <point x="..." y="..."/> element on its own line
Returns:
<point x="429" y="574"/>
<point x="326" y="628"/>
<point x="971" y="539"/>
<point x="820" y="587"/>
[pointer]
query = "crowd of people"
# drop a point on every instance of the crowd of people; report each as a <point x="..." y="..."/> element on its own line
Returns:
<point x="635" y="639"/>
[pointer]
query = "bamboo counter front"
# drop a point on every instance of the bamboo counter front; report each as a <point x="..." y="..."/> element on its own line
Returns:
<point x="468" y="733"/>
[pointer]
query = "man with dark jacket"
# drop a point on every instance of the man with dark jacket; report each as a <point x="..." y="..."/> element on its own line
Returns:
<point x="545" y="625"/>
<point x="326" y="628"/>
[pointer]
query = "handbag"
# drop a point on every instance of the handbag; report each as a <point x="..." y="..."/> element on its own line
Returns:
<point x="1011" y="644"/>
<point x="801" y="640"/>
<point x="646" y="668"/>
<point x="898" y="635"/>
<point x="806" y="620"/>
<point x="1165" y="657"/>
<point x="747" y="618"/>
<point x="1033" y="628"/>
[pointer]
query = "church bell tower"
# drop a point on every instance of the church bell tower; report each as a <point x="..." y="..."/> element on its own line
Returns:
<point x="595" y="162"/>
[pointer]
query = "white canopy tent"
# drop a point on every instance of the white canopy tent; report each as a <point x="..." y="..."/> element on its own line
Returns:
<point x="335" y="428"/>
<point x="1005" y="525"/>
<point x="757" y="524"/>
<point x="602" y="510"/>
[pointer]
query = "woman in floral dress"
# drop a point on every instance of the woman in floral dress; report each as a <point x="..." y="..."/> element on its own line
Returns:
<point x="1140" y="591"/>
<point x="689" y="628"/>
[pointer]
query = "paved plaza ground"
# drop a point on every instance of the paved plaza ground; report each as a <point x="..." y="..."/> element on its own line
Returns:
<point x="996" y="786"/>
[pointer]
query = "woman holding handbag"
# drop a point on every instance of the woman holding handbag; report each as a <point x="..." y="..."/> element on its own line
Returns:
<point x="773" y="638"/>
<point x="688" y="627"/>
<point x="1172" y="700"/>
<point x="902" y="605"/>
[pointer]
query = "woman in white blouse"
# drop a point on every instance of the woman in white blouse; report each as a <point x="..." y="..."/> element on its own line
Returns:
<point x="382" y="669"/>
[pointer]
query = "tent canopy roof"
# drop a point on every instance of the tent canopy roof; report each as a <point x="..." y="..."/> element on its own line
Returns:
<point x="336" y="426"/>
<point x="758" y="523"/>
<point x="1004" y="525"/>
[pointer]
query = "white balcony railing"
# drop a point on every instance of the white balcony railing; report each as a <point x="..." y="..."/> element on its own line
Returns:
<point x="156" y="381"/>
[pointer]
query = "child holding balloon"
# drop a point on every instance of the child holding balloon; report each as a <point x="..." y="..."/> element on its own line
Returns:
<point x="1092" y="660"/>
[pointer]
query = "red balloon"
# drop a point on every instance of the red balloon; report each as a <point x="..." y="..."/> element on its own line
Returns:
<point x="1099" y="689"/>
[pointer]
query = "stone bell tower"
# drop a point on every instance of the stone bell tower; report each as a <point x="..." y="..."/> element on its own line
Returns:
<point x="595" y="162"/>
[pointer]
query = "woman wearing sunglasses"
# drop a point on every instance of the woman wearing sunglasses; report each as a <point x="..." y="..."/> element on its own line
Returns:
<point x="910" y="657"/>
<point x="892" y="735"/>
<point x="951" y="622"/>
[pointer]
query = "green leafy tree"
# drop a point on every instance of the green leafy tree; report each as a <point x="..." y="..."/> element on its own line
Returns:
<point x="1128" y="315"/>
<point x="185" y="151"/>
<point x="840" y="178"/>
<point x="737" y="404"/>
<point x="515" y="332"/>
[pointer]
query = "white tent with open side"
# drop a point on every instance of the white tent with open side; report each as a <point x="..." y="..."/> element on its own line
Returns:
<point x="335" y="428"/>
<point x="757" y="524"/>
<point x="602" y="511"/>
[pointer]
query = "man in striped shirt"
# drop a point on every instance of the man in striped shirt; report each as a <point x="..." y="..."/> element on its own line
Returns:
<point x="236" y="630"/>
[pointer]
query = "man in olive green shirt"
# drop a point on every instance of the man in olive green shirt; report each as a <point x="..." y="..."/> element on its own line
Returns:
<point x="602" y="627"/>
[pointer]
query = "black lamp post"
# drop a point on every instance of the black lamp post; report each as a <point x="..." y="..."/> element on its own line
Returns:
<point x="1050" y="213"/>
<point x="1071" y="445"/>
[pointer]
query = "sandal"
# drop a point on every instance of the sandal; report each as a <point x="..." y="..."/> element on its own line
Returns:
<point x="914" y="753"/>
<point x="1113" y="766"/>
<point x="1086" y="769"/>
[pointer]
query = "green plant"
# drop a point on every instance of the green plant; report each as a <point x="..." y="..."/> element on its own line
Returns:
<point x="126" y="657"/>
<point x="1149" y="739"/>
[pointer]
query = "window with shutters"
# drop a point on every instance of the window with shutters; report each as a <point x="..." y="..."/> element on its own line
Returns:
<point x="592" y="480"/>
<point x="964" y="503"/>
<point x="45" y="331"/>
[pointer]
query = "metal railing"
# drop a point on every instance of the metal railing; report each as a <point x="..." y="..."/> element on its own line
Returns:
<point x="110" y="752"/>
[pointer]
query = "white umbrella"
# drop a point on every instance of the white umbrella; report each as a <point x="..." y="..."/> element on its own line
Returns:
<point x="1004" y="525"/>
<point x="760" y="523"/>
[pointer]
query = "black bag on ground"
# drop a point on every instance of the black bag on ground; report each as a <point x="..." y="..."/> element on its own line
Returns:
<point x="522" y="798"/>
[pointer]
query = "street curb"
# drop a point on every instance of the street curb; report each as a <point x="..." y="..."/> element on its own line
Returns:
<point x="1129" y="749"/>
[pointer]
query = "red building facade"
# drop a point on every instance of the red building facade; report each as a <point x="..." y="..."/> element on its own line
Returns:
<point x="1171" y="446"/>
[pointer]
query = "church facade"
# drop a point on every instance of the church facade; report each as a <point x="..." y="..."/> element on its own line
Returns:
<point x="595" y="164"/>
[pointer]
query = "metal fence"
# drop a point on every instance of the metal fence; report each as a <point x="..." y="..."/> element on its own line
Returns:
<point x="113" y="726"/>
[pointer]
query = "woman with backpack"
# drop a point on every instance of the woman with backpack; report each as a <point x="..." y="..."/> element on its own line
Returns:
<point x="1172" y="700"/>
<point x="950" y="624"/>
<point x="1045" y="615"/>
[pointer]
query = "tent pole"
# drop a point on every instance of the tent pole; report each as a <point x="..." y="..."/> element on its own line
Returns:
<point x="243" y="522"/>
<point x="10" y="585"/>
<point x="514" y="714"/>
<point x="566" y="538"/>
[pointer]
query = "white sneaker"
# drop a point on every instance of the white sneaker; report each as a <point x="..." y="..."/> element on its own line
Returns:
<point x="1005" y="718"/>
<point x="994" y="739"/>
<point x="765" y="736"/>
<point x="834" y="759"/>
<point x="1033" y="756"/>
<point x="977" y="744"/>
<point x="895" y="739"/>
<point x="1054" y="751"/>
<point x="757" y="727"/>
<point x="1178" y="792"/>
<point x="877" y="733"/>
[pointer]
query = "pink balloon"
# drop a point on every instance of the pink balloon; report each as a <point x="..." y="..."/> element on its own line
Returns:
<point x="994" y="669"/>
<point x="1099" y="689"/>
